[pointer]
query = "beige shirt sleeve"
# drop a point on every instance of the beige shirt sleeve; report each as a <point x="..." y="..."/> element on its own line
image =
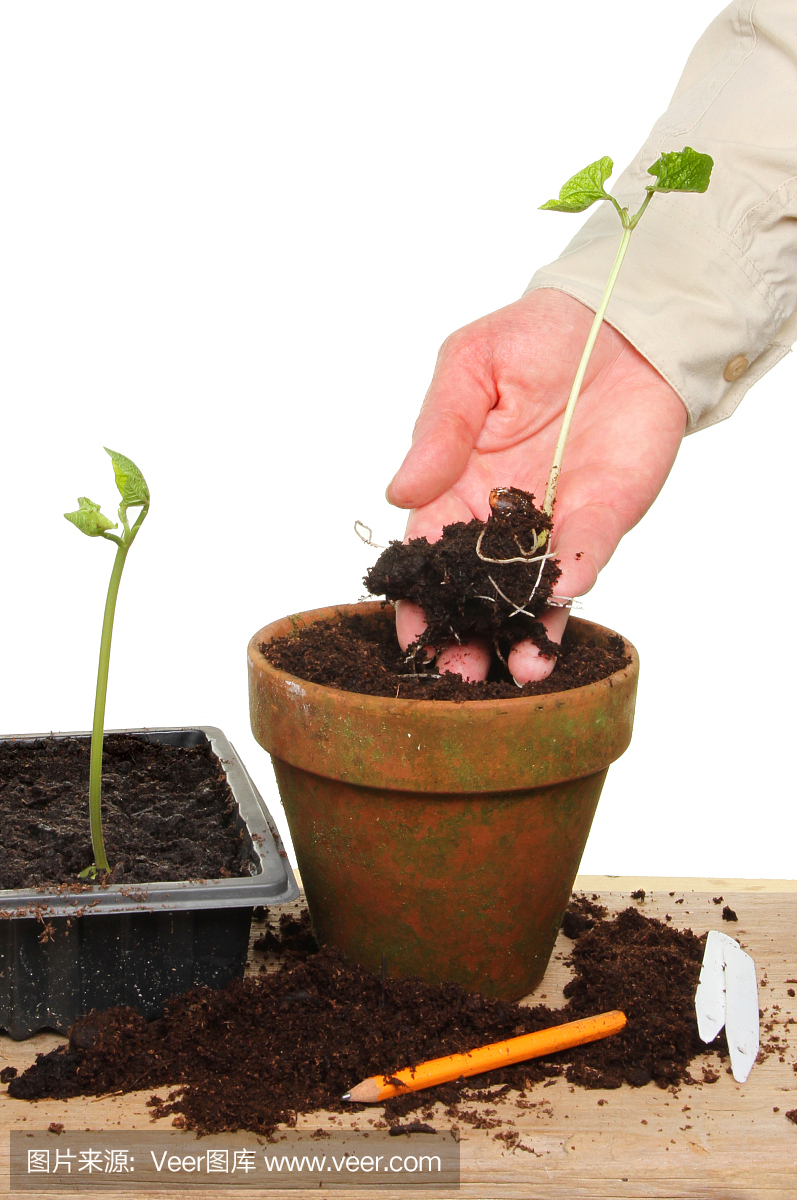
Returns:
<point x="712" y="278"/>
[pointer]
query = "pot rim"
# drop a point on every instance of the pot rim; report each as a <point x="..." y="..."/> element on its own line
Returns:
<point x="312" y="616"/>
<point x="437" y="746"/>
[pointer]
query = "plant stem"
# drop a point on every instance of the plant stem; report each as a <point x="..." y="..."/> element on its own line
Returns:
<point x="556" y="466"/>
<point x="97" y="729"/>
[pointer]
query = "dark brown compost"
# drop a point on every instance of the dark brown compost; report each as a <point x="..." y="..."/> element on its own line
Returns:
<point x="271" y="1046"/>
<point x="482" y="579"/>
<point x="168" y="812"/>
<point x="361" y="654"/>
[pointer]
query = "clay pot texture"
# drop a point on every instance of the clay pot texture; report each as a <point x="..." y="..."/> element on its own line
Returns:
<point x="444" y="836"/>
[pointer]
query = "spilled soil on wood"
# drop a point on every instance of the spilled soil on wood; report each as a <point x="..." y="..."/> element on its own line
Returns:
<point x="269" y="1047"/>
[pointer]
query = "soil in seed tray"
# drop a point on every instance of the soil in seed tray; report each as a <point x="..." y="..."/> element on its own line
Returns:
<point x="168" y="812"/>
<point x="268" y="1047"/>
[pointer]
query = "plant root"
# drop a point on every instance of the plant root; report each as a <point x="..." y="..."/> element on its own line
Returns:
<point x="525" y="558"/>
<point x="564" y="602"/>
<point x="367" y="540"/>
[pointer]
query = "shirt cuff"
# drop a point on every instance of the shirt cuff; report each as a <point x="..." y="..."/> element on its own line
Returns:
<point x="687" y="298"/>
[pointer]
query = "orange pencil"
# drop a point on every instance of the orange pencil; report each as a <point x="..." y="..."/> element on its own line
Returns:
<point x="487" y="1058"/>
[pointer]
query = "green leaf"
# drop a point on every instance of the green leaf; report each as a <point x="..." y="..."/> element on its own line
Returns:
<point x="681" y="171"/>
<point x="129" y="480"/>
<point x="89" y="519"/>
<point x="584" y="188"/>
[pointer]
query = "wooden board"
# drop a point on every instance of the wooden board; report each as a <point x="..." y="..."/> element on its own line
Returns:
<point x="722" y="1141"/>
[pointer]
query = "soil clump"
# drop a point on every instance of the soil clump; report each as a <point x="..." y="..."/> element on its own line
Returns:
<point x="481" y="578"/>
<point x="168" y="812"/>
<point x="271" y="1046"/>
<point x="361" y="654"/>
<point x="580" y="915"/>
<point x="292" y="938"/>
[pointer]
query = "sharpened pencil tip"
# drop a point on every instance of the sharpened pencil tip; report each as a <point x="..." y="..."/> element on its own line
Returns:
<point x="347" y="1096"/>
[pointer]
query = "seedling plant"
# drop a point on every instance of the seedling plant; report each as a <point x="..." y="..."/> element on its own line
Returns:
<point x="678" y="171"/>
<point x="441" y="577"/>
<point x="90" y="520"/>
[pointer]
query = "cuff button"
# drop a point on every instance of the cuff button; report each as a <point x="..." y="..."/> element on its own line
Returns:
<point x="736" y="368"/>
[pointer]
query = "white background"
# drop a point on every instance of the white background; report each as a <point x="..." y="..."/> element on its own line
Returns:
<point x="233" y="237"/>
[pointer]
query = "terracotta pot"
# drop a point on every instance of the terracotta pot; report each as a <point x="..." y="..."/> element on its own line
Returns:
<point x="444" y="836"/>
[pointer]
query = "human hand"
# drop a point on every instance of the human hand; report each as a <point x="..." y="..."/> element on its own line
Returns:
<point x="491" y="418"/>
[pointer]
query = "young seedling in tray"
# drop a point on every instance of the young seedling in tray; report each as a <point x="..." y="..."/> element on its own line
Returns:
<point x="495" y="578"/>
<point x="92" y="522"/>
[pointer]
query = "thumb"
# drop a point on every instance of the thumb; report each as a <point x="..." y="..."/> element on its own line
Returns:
<point x="461" y="394"/>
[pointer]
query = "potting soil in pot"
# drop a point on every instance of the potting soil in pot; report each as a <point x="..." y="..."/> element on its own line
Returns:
<point x="361" y="654"/>
<point x="266" y="1048"/>
<point x="168" y="812"/>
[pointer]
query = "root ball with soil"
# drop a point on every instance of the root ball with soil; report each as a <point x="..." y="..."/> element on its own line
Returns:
<point x="490" y="578"/>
